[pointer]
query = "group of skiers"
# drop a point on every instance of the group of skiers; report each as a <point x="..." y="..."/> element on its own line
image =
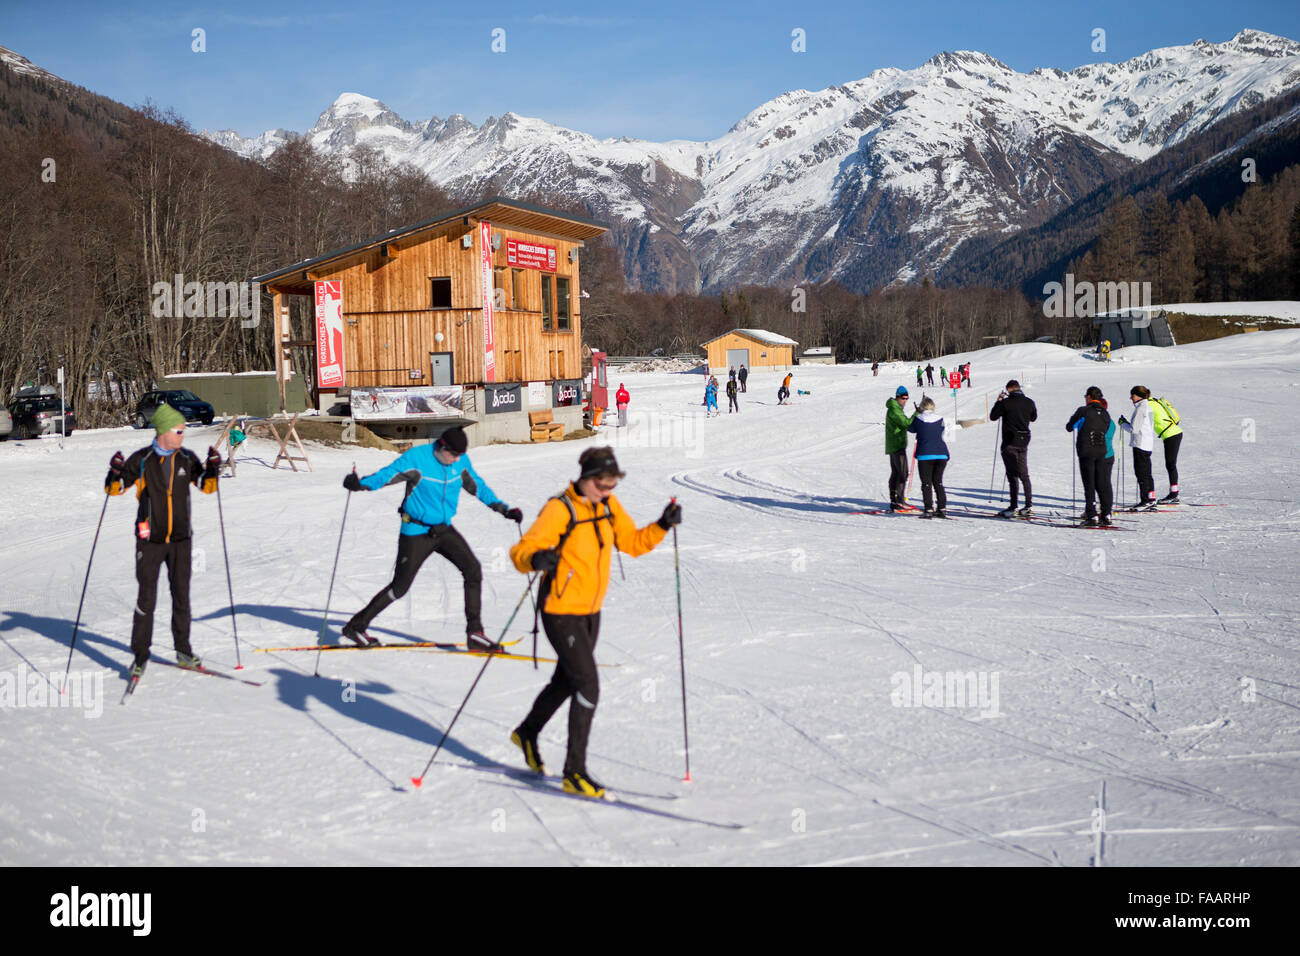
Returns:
<point x="565" y="545"/>
<point x="963" y="377"/>
<point x="1014" y="411"/>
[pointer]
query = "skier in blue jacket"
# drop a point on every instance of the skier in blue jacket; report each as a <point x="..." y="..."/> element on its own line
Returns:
<point x="434" y="476"/>
<point x="931" y="458"/>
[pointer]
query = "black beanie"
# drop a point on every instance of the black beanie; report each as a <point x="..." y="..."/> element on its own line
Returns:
<point x="453" y="439"/>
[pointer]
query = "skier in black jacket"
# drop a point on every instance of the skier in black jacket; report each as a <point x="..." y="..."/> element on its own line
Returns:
<point x="1016" y="410"/>
<point x="162" y="475"/>
<point x="1093" y="423"/>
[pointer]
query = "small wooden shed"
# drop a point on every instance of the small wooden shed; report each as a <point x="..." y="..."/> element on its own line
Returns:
<point x="753" y="348"/>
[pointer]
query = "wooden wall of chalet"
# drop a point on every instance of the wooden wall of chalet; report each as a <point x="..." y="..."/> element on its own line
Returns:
<point x="778" y="356"/>
<point x="390" y="322"/>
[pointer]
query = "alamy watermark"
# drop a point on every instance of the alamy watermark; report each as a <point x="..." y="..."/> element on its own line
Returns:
<point x="646" y="430"/>
<point x="1084" y="300"/>
<point x="28" y="688"/>
<point x="207" y="300"/>
<point x="959" y="690"/>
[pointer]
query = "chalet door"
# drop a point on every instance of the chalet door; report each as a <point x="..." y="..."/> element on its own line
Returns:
<point x="440" y="368"/>
<point x="737" y="357"/>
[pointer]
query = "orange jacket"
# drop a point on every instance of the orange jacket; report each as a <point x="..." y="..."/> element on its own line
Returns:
<point x="786" y="383"/>
<point x="583" y="574"/>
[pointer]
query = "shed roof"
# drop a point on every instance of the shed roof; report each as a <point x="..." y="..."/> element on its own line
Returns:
<point x="760" y="335"/>
<point x="819" y="350"/>
<point x="496" y="209"/>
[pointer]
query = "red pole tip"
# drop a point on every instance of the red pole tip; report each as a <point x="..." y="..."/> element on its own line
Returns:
<point x="686" y="779"/>
<point x="418" y="781"/>
<point x="239" y="667"/>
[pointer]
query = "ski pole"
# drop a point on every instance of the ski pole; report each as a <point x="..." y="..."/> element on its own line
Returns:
<point x="419" y="781"/>
<point x="681" y="650"/>
<point x="234" y="625"/>
<point x="68" y="670"/>
<point x="320" y="637"/>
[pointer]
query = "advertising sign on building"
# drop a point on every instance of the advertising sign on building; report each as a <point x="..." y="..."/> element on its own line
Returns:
<point x="523" y="254"/>
<point x="485" y="282"/>
<point x="566" y="392"/>
<point x="503" y="398"/>
<point x="537" y="395"/>
<point x="420" y="401"/>
<point x="330" y="366"/>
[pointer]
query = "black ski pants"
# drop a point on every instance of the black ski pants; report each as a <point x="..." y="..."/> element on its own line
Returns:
<point x="1095" y="475"/>
<point x="412" y="550"/>
<point x="1015" y="458"/>
<point x="1171" y="459"/>
<point x="931" y="472"/>
<point x="897" y="476"/>
<point x="732" y="404"/>
<point x="574" y="638"/>
<point x="1142" y="470"/>
<point x="149" y="559"/>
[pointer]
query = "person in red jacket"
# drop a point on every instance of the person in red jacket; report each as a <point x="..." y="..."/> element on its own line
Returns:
<point x="621" y="398"/>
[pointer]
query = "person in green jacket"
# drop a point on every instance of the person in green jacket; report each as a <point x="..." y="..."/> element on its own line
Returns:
<point x="896" y="425"/>
<point x="1165" y="420"/>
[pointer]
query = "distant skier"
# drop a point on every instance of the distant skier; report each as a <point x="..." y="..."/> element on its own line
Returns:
<point x="1166" y="423"/>
<point x="965" y="374"/>
<point x="943" y="375"/>
<point x="1093" y="423"/>
<point x="897" y="422"/>
<point x="162" y="475"/>
<point x="742" y="376"/>
<point x="434" y="475"/>
<point x="929" y="373"/>
<point x="1142" y="436"/>
<point x="732" y="389"/>
<point x="919" y="383"/>
<point x="571" y="543"/>
<point x="875" y="369"/>
<point x="711" y="398"/>
<point x="931" y="458"/>
<point x="731" y="375"/>
<point x="621" y="399"/>
<point x="1015" y="410"/>
<point x="783" y="392"/>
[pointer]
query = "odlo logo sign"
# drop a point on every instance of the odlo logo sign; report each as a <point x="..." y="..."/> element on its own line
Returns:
<point x="500" y="398"/>
<point x="76" y="909"/>
<point x="567" y="393"/>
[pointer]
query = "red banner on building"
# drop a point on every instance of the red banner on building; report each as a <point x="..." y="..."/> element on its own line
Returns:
<point x="330" y="367"/>
<point x="530" y="255"/>
<point x="489" y="294"/>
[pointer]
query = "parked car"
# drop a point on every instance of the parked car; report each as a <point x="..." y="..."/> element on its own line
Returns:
<point x="184" y="401"/>
<point x="39" y="415"/>
<point x="6" y="423"/>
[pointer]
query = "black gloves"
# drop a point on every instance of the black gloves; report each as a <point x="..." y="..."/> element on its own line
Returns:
<point x="672" y="516"/>
<point x="1123" y="420"/>
<point x="352" y="483"/>
<point x="213" y="462"/>
<point x="546" y="561"/>
<point x="510" y="514"/>
<point x="115" y="465"/>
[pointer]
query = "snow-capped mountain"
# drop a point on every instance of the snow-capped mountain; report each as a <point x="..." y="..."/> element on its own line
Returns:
<point x="874" y="181"/>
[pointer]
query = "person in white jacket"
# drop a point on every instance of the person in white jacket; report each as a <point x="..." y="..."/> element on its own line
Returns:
<point x="1142" y="436"/>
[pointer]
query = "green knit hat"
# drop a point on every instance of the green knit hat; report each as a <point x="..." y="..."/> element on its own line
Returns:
<point x="166" y="418"/>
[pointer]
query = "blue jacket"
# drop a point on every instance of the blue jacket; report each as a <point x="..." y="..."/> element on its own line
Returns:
<point x="433" y="489"/>
<point x="928" y="428"/>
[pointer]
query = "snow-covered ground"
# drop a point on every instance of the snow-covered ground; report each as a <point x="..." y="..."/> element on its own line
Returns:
<point x="1137" y="690"/>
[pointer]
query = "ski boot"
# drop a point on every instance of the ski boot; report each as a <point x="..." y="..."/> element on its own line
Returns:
<point x="1105" y="522"/>
<point x="478" y="641"/>
<point x="358" y="636"/>
<point x="577" y="782"/>
<point x="1007" y="513"/>
<point x="137" y="668"/>
<point x="528" y="744"/>
<point x="1089" y="521"/>
<point x="1169" y="499"/>
<point x="190" y="662"/>
<point x="1026" y="512"/>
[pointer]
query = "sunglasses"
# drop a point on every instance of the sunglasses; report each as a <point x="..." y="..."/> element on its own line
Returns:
<point x="608" y="484"/>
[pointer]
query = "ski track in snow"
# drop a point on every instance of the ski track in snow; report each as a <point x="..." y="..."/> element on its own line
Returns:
<point x="1154" y="673"/>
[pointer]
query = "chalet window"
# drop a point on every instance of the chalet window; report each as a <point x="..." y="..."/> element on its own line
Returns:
<point x="547" y="309"/>
<point x="517" y="289"/>
<point x="441" y="293"/>
<point x="562" y="303"/>
<point x="499" y="286"/>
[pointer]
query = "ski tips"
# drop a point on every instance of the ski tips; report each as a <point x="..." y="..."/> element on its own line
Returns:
<point x="418" y="781"/>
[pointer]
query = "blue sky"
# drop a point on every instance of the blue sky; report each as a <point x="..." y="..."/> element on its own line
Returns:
<point x="663" y="70"/>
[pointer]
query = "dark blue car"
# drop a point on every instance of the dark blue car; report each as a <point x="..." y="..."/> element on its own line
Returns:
<point x="184" y="401"/>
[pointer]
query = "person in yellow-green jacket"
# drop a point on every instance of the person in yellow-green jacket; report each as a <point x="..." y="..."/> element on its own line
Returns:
<point x="161" y="475"/>
<point x="571" y="543"/>
<point x="1165" y="420"/>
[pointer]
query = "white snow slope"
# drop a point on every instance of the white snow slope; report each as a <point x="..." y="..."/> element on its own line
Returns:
<point x="1147" y="679"/>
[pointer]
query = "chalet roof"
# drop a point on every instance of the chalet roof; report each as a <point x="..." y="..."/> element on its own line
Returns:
<point x="759" y="335"/>
<point x="496" y="209"/>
